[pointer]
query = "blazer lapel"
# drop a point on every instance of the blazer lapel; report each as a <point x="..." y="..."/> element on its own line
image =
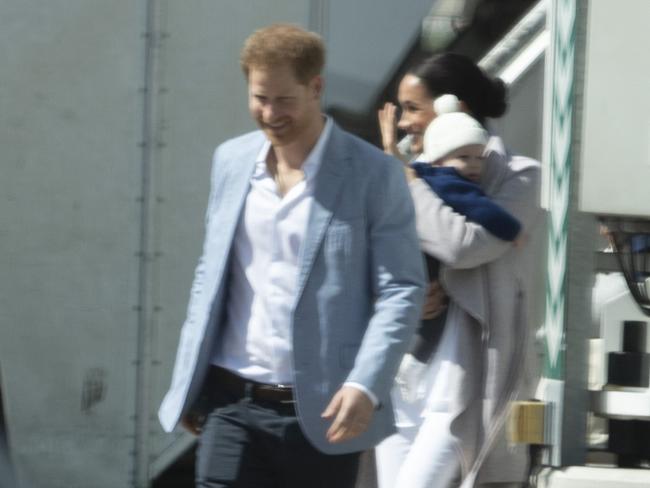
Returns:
<point x="234" y="185"/>
<point x="328" y="184"/>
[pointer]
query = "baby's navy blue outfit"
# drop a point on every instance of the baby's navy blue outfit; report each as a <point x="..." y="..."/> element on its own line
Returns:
<point x="468" y="199"/>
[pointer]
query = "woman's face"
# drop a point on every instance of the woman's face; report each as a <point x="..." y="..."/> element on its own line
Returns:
<point x="417" y="110"/>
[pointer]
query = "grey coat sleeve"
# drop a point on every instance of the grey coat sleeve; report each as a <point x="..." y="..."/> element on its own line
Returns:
<point x="459" y="243"/>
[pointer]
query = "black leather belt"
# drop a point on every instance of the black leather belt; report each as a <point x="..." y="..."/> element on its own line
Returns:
<point x="238" y="386"/>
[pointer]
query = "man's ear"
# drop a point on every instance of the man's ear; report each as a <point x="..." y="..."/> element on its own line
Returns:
<point x="316" y="85"/>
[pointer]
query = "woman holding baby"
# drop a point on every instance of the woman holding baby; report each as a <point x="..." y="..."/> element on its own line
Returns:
<point x="476" y="210"/>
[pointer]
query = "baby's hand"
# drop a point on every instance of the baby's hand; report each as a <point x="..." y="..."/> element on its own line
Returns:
<point x="521" y="240"/>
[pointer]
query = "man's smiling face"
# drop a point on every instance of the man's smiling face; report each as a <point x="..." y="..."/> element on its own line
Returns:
<point x="282" y="106"/>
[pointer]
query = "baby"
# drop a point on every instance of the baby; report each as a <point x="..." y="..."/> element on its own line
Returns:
<point x="452" y="163"/>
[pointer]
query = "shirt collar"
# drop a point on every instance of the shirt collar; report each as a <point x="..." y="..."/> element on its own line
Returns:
<point x="312" y="161"/>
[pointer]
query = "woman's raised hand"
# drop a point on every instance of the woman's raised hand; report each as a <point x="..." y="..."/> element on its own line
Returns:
<point x="388" y="126"/>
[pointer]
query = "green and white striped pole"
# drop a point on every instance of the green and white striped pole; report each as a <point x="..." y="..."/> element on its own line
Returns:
<point x="561" y="72"/>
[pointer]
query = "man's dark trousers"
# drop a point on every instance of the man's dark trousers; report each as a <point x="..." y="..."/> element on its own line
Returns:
<point x="251" y="443"/>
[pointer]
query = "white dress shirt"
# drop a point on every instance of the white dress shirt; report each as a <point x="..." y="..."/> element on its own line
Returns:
<point x="257" y="339"/>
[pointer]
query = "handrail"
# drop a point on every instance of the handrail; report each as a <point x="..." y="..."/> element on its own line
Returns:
<point x="530" y="28"/>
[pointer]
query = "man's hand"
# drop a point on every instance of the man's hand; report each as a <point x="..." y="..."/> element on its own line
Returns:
<point x="351" y="410"/>
<point x="521" y="240"/>
<point x="192" y="423"/>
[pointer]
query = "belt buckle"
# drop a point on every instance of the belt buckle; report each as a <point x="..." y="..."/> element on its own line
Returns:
<point x="282" y="386"/>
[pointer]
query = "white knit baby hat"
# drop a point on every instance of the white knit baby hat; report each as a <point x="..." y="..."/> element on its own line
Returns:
<point x="450" y="130"/>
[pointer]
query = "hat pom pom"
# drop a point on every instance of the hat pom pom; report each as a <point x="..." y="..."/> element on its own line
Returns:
<point x="445" y="104"/>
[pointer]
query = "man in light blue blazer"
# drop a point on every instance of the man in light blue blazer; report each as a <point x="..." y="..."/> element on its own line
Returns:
<point x="307" y="292"/>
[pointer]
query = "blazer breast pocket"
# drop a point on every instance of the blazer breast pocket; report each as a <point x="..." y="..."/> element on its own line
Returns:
<point x="344" y="236"/>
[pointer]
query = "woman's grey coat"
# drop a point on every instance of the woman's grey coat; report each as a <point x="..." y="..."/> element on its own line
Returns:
<point x="489" y="283"/>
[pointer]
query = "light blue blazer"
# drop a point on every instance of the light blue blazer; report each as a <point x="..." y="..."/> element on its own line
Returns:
<point x="360" y="287"/>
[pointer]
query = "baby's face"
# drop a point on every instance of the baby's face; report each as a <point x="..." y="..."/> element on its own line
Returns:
<point x="468" y="161"/>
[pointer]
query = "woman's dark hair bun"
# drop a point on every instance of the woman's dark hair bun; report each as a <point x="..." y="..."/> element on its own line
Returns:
<point x="496" y="99"/>
<point x="459" y="75"/>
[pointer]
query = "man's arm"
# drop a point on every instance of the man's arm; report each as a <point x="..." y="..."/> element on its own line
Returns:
<point x="397" y="279"/>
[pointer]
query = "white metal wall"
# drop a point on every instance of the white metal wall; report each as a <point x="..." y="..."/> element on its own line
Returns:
<point x="367" y="39"/>
<point x="615" y="160"/>
<point x="522" y="126"/>
<point x="71" y="117"/>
